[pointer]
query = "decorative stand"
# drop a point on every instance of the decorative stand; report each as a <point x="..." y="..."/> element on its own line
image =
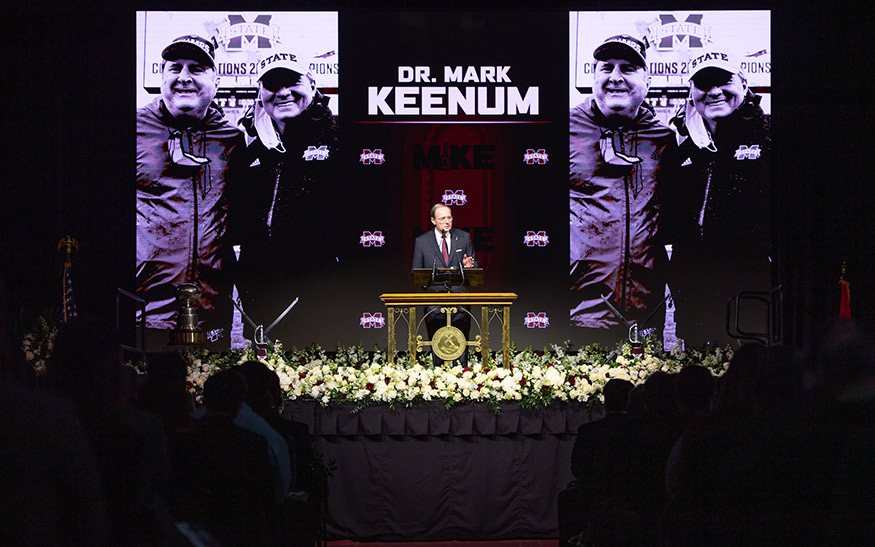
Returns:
<point x="260" y="335"/>
<point x="633" y="326"/>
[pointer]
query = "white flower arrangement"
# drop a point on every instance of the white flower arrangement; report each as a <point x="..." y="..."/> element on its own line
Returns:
<point x="39" y="341"/>
<point x="535" y="378"/>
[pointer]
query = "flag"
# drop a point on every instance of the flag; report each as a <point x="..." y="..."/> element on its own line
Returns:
<point x="67" y="245"/>
<point x="69" y="303"/>
<point x="845" y="303"/>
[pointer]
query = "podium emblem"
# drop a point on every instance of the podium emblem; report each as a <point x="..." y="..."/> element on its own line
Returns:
<point x="449" y="343"/>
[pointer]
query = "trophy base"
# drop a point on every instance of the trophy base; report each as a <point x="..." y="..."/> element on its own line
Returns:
<point x="187" y="338"/>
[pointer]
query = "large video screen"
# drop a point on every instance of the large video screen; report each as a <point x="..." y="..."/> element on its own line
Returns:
<point x="294" y="157"/>
<point x="670" y="171"/>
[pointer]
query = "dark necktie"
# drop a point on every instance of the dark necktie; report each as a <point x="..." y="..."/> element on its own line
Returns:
<point x="444" y="250"/>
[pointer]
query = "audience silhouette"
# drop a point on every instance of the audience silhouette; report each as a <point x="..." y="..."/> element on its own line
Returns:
<point x="776" y="451"/>
<point x="128" y="444"/>
<point x="302" y="507"/>
<point x="227" y="471"/>
<point x="601" y="463"/>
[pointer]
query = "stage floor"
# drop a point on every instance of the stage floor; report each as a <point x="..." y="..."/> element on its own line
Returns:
<point x="500" y="543"/>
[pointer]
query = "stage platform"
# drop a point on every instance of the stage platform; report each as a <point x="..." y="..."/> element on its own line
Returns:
<point x="428" y="473"/>
<point x="499" y="543"/>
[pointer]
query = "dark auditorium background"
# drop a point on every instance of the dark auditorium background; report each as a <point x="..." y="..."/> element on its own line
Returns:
<point x="69" y="141"/>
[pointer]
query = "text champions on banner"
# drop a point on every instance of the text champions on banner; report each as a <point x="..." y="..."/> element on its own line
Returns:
<point x="423" y="94"/>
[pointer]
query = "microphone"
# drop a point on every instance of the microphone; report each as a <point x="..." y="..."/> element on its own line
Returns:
<point x="461" y="267"/>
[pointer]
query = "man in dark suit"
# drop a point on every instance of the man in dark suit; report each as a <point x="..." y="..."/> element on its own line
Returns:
<point x="444" y="247"/>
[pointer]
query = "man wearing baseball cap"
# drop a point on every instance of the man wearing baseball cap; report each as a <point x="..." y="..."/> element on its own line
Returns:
<point x="285" y="211"/>
<point x="183" y="146"/>
<point x="721" y="212"/>
<point x="188" y="77"/>
<point x="615" y="148"/>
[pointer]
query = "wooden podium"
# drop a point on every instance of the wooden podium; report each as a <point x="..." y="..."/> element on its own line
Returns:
<point x="492" y="306"/>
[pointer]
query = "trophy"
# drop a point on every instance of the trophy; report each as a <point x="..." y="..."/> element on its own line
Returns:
<point x="187" y="333"/>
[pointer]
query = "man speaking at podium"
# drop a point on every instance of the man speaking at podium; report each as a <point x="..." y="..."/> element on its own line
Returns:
<point x="442" y="248"/>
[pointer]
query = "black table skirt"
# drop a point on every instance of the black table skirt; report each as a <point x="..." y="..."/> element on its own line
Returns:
<point x="428" y="473"/>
